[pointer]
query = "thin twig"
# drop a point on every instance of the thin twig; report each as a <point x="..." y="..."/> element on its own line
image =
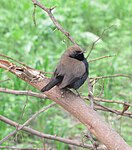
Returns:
<point x="118" y="112"/>
<point x="34" y="10"/>
<point x="88" y="135"/>
<point x="101" y="36"/>
<point x="111" y="76"/>
<point x="21" y="63"/>
<point x="2" y="55"/>
<point x="20" y="92"/>
<point x="111" y="101"/>
<point x="102" y="57"/>
<point x="4" y="80"/>
<point x="47" y="136"/>
<point x="56" y="23"/>
<point x="9" y="147"/>
<point x="16" y="148"/>
<point x="19" y="127"/>
<point x="23" y="110"/>
<point x="98" y="106"/>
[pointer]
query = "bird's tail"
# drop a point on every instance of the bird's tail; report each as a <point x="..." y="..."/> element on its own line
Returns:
<point x="51" y="84"/>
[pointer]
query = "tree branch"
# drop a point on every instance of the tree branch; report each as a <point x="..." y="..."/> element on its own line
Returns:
<point x="104" y="108"/>
<point x="102" y="57"/>
<point x="73" y="104"/>
<point x="96" y="79"/>
<point x="9" y="147"/>
<point x="20" y="92"/>
<point x="111" y="101"/>
<point x="4" y="80"/>
<point x="43" y="96"/>
<point x="42" y="135"/>
<point x="111" y="76"/>
<point x="26" y="123"/>
<point x="56" y="23"/>
<point x="101" y="36"/>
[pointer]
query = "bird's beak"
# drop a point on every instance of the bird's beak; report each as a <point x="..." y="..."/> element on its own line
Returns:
<point x="84" y="51"/>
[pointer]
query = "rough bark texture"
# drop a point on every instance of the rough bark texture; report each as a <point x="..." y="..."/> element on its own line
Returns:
<point x="74" y="105"/>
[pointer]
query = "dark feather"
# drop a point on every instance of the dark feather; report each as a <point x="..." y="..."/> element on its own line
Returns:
<point x="52" y="83"/>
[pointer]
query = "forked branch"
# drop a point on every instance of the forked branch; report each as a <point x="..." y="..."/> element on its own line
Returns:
<point x="56" y="23"/>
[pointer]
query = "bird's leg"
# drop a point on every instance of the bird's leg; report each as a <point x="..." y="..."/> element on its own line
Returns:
<point x="78" y="94"/>
<point x="63" y="91"/>
<point x="62" y="94"/>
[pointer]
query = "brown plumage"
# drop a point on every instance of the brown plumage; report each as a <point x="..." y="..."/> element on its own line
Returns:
<point x="71" y="71"/>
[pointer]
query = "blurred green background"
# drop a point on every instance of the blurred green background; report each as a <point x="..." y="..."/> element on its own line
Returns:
<point x="40" y="47"/>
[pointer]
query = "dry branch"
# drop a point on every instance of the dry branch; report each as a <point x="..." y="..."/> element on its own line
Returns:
<point x="111" y="76"/>
<point x="58" y="26"/>
<point x="104" y="108"/>
<point x="20" y="92"/>
<point x="100" y="37"/>
<point x="111" y="101"/>
<point x="9" y="147"/>
<point x="4" y="80"/>
<point x="73" y="104"/>
<point x="26" y="123"/>
<point x="19" y="62"/>
<point x="42" y="135"/>
<point x="43" y="96"/>
<point x="102" y="57"/>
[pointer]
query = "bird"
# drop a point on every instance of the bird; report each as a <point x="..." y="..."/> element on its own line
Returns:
<point x="71" y="71"/>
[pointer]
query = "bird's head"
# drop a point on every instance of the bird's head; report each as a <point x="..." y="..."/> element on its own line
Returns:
<point x="75" y="52"/>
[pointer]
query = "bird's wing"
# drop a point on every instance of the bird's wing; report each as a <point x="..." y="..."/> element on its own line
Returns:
<point x="71" y="70"/>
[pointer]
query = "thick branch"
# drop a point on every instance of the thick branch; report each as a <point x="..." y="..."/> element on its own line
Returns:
<point x="73" y="104"/>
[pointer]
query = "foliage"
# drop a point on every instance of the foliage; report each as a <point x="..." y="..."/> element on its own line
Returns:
<point x="40" y="47"/>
